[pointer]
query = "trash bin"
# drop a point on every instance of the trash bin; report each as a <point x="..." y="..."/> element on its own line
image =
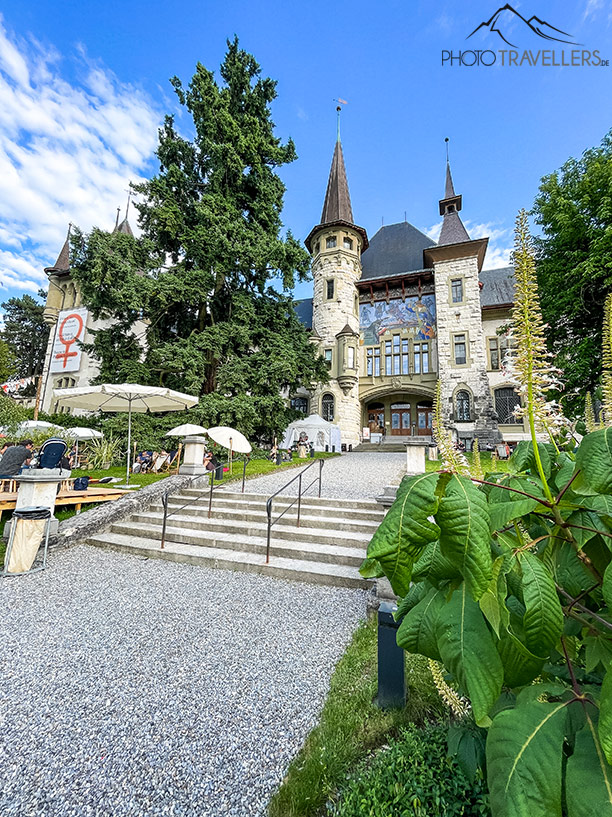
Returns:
<point x="219" y="473"/>
<point x="29" y="529"/>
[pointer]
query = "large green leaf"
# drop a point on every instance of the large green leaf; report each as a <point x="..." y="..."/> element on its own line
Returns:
<point x="579" y="521"/>
<point x="568" y="571"/>
<point x="607" y="586"/>
<point x="468" y="651"/>
<point x="416" y="594"/>
<point x="520" y="665"/>
<point x="417" y="632"/>
<point x="605" y="716"/>
<point x="601" y="504"/>
<point x="524" y="760"/>
<point x="465" y="539"/>
<point x="406" y="529"/>
<point x="433" y="565"/>
<point x="594" y="461"/>
<point x="565" y="469"/>
<point x="523" y="458"/>
<point x="543" y="619"/>
<point x="504" y="505"/>
<point x="588" y="781"/>
<point x="493" y="600"/>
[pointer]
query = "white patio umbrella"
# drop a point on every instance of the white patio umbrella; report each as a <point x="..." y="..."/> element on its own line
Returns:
<point x="185" y="430"/>
<point x="82" y="433"/>
<point x="130" y="397"/>
<point x="37" y="425"/>
<point x="230" y="438"/>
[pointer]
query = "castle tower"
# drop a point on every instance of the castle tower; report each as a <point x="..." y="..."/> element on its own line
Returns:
<point x="336" y="245"/>
<point x="457" y="260"/>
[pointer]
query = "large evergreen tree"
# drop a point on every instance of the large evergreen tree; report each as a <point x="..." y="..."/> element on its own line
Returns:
<point x="211" y="275"/>
<point x="574" y="211"/>
<point x="25" y="334"/>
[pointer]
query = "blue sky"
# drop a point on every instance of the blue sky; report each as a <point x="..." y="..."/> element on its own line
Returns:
<point x="83" y="86"/>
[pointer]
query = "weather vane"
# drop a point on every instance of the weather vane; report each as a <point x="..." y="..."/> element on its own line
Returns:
<point x="338" y="109"/>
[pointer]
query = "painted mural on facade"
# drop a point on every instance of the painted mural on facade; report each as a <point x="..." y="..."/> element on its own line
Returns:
<point x="417" y="315"/>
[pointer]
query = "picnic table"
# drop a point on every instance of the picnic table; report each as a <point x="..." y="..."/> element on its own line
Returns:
<point x="66" y="496"/>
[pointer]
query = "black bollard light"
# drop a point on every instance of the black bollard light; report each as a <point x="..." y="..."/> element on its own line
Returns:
<point x="391" y="679"/>
<point x="279" y="457"/>
<point x="312" y="452"/>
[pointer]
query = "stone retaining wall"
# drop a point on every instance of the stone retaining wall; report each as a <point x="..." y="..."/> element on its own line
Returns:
<point x="101" y="517"/>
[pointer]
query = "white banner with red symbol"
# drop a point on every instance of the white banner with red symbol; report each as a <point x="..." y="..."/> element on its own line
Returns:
<point x="67" y="352"/>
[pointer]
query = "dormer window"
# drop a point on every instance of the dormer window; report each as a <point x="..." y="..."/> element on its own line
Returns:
<point x="450" y="208"/>
<point x="330" y="242"/>
<point x="348" y="243"/>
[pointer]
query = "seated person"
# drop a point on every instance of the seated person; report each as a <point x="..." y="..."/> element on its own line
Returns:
<point x="4" y="447"/>
<point x="210" y="461"/>
<point x="14" y="458"/>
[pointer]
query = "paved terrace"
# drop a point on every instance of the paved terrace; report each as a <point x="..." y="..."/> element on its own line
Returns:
<point x="351" y="476"/>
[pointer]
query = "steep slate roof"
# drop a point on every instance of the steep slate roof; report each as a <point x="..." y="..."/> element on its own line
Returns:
<point x="395" y="249"/>
<point x="124" y="227"/>
<point x="63" y="259"/>
<point x="303" y="310"/>
<point x="452" y="231"/>
<point x="337" y="204"/>
<point x="497" y="286"/>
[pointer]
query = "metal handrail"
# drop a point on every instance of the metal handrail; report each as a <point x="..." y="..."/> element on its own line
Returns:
<point x="164" y="499"/>
<point x="298" y="499"/>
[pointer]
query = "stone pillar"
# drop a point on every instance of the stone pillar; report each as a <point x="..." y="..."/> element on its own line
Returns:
<point x="193" y="456"/>
<point x="38" y="488"/>
<point x="415" y="457"/>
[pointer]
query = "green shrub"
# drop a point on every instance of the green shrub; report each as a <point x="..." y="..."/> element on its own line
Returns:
<point x="413" y="777"/>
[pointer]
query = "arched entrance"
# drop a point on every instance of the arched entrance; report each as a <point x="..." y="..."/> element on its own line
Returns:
<point x="398" y="414"/>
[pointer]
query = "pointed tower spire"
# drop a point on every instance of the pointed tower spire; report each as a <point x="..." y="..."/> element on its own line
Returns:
<point x="63" y="259"/>
<point x="453" y="231"/>
<point x="337" y="205"/>
<point x="124" y="227"/>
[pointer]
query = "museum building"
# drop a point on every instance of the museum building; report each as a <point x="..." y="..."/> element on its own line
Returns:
<point x="394" y="314"/>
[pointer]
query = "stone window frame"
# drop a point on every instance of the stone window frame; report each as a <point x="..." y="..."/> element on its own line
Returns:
<point x="420" y="344"/>
<point x="468" y="359"/>
<point x="350" y="348"/>
<point x="331" y="242"/>
<point x="505" y="387"/>
<point x="329" y="360"/>
<point x="329" y="281"/>
<point x="488" y="340"/>
<point x="460" y="390"/>
<point x="347" y="243"/>
<point x="373" y="354"/>
<point x="451" y="279"/>
<point x="330" y="395"/>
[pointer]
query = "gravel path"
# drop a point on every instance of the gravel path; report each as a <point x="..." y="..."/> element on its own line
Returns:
<point x="142" y="687"/>
<point x="351" y="476"/>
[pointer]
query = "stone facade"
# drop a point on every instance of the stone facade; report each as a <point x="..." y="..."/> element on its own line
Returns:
<point x="408" y="311"/>
<point x="336" y="268"/>
<point x="456" y="320"/>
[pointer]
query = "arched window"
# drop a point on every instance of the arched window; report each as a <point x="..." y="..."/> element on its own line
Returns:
<point x="300" y="404"/>
<point x="506" y="400"/>
<point x="462" y="406"/>
<point x="327" y="407"/>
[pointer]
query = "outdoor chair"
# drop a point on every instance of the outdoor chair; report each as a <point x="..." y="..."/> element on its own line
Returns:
<point x="51" y="453"/>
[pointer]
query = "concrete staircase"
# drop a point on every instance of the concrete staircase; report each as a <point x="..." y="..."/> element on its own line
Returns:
<point x="327" y="548"/>
<point x="390" y="444"/>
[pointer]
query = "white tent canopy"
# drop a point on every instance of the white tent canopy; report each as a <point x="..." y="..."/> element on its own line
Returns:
<point x="320" y="433"/>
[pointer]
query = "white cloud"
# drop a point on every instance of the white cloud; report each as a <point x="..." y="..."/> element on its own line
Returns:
<point x="68" y="151"/>
<point x="500" y="240"/>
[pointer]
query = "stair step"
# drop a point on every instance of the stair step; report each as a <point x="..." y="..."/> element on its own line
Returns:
<point x="241" y="517"/>
<point x="231" y="540"/>
<point x="279" y="531"/>
<point x="278" y="505"/>
<point x="279" y="567"/>
<point x="323" y="502"/>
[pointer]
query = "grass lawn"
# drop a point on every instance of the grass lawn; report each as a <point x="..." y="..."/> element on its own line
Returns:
<point x="255" y="468"/>
<point x="352" y="726"/>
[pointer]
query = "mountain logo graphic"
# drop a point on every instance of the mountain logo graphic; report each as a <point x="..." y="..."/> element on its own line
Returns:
<point x="504" y="23"/>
